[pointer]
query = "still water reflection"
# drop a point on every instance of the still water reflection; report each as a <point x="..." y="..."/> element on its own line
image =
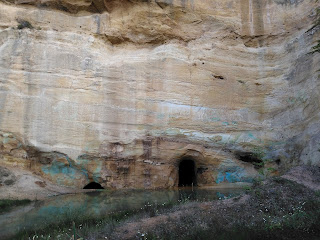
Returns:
<point x="98" y="204"/>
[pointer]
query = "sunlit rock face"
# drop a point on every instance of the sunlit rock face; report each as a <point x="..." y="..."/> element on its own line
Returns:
<point x="120" y="92"/>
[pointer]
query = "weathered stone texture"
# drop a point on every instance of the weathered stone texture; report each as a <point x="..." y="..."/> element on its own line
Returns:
<point x="119" y="92"/>
<point x="6" y="177"/>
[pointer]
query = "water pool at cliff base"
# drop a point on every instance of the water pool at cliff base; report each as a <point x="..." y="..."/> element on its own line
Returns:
<point x="99" y="204"/>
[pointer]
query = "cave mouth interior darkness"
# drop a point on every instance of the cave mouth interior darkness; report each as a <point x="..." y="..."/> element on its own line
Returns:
<point x="187" y="174"/>
<point x="93" y="185"/>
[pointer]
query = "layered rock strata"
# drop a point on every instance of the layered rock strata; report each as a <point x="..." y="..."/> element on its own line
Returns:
<point x="121" y="92"/>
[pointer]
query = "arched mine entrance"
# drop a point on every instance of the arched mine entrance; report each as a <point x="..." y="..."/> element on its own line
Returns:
<point x="93" y="185"/>
<point x="187" y="172"/>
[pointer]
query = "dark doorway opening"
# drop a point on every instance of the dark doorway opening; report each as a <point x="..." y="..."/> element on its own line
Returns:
<point x="187" y="174"/>
<point x="93" y="185"/>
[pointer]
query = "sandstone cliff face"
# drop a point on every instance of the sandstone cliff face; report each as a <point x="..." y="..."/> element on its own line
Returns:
<point x="120" y="92"/>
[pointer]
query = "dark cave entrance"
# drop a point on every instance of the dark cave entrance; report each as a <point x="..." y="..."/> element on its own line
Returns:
<point x="93" y="185"/>
<point x="187" y="173"/>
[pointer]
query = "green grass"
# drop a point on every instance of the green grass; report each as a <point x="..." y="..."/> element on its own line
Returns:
<point x="73" y="222"/>
<point x="7" y="204"/>
<point x="247" y="188"/>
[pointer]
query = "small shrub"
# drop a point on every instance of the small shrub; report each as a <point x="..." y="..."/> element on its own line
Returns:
<point x="258" y="193"/>
<point x="270" y="169"/>
<point x="24" y="24"/>
<point x="280" y="180"/>
<point x="247" y="188"/>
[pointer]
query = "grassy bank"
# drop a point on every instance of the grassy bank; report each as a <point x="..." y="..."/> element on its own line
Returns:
<point x="7" y="204"/>
<point x="276" y="209"/>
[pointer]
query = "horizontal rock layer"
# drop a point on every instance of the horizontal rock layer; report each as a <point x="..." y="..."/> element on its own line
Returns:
<point x="120" y="92"/>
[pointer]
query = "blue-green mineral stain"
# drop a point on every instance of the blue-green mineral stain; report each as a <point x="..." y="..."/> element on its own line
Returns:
<point x="220" y="177"/>
<point x="161" y="116"/>
<point x="62" y="171"/>
<point x="6" y="140"/>
<point x="233" y="175"/>
<point x="59" y="168"/>
<point x="215" y="119"/>
<point x="250" y="135"/>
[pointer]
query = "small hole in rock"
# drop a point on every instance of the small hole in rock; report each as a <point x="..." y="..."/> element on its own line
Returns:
<point x="278" y="161"/>
<point x="249" y="157"/>
<point x="218" y="77"/>
<point x="93" y="185"/>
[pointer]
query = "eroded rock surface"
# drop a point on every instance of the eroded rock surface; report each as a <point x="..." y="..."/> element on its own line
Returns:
<point x="120" y="92"/>
<point x="6" y="177"/>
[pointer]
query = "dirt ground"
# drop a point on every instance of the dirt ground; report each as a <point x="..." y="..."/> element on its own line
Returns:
<point x="308" y="176"/>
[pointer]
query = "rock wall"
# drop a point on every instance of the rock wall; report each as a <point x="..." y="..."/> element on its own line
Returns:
<point x="120" y="92"/>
